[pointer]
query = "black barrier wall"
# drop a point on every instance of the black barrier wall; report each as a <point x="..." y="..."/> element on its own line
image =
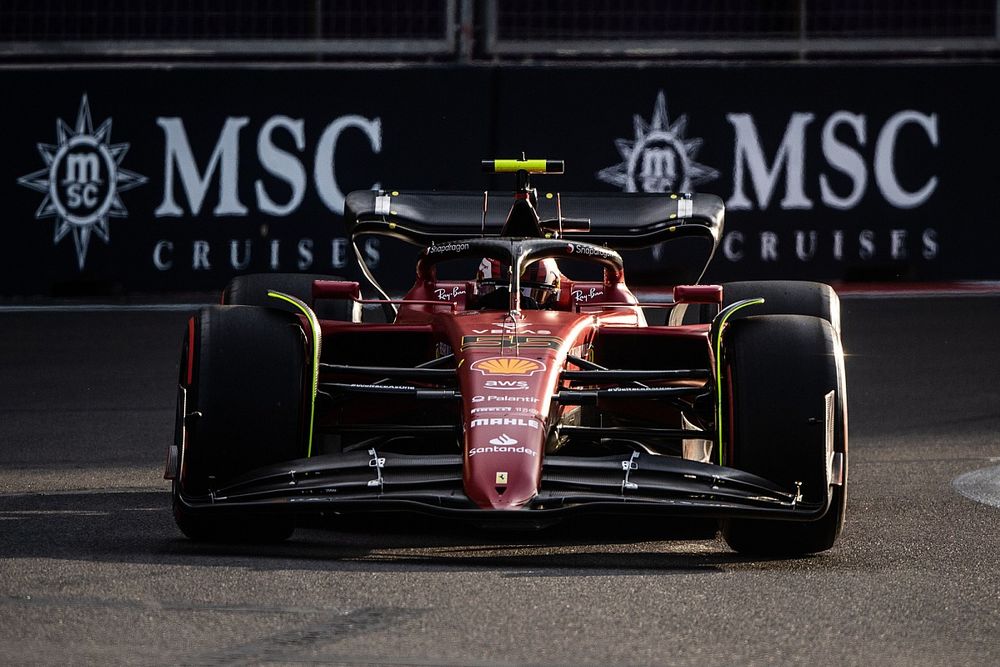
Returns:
<point x="152" y="179"/>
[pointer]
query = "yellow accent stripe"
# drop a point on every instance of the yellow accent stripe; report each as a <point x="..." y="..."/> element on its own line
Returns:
<point x="530" y="166"/>
<point x="317" y="338"/>
<point x="718" y="365"/>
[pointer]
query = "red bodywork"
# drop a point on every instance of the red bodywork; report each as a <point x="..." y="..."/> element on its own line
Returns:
<point x="516" y="396"/>
<point x="507" y="377"/>
<point x="509" y="367"/>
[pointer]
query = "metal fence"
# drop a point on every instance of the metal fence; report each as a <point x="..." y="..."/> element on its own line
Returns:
<point x="678" y="27"/>
<point x="494" y="29"/>
<point x="254" y="28"/>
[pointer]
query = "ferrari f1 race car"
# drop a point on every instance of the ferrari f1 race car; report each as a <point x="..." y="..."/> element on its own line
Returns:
<point x="518" y="382"/>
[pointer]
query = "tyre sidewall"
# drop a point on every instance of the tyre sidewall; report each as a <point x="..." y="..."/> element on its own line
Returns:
<point x="779" y="369"/>
<point x="247" y="393"/>
<point x="781" y="297"/>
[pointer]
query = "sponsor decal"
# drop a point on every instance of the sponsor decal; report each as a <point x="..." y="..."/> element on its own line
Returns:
<point x="511" y="328"/>
<point x="506" y="331"/>
<point x="502" y="449"/>
<point x="625" y="390"/>
<point x="768" y="174"/>
<point x="583" y="296"/>
<point x="659" y="158"/>
<point x="387" y="387"/>
<point x="493" y="340"/>
<point x="589" y="250"/>
<point x="505" y="399"/>
<point x="807" y="245"/>
<point x="445" y="295"/>
<point x="82" y="181"/>
<point x="280" y="254"/>
<point x="508" y="366"/>
<point x="195" y="188"/>
<point x="504" y="409"/>
<point x="503" y="439"/>
<point x="186" y="186"/>
<point x="506" y="385"/>
<point x="447" y="247"/>
<point x="501" y="477"/>
<point x="504" y="421"/>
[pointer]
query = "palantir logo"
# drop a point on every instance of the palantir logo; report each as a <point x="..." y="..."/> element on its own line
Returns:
<point x="81" y="180"/>
<point x="659" y="158"/>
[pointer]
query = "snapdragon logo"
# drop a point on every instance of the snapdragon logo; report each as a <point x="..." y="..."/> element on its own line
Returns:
<point x="659" y="158"/>
<point x="82" y="180"/>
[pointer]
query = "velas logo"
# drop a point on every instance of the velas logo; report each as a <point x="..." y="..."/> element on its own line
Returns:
<point x="82" y="180"/>
<point x="508" y="366"/>
<point x="659" y="158"/>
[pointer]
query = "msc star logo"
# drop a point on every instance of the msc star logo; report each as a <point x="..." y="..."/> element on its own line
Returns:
<point x="660" y="158"/>
<point x="81" y="181"/>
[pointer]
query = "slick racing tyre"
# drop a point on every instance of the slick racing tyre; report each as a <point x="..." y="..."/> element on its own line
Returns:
<point x="781" y="375"/>
<point x="781" y="297"/>
<point x="251" y="290"/>
<point x="243" y="371"/>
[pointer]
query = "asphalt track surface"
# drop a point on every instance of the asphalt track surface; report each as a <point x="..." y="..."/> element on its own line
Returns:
<point x="93" y="571"/>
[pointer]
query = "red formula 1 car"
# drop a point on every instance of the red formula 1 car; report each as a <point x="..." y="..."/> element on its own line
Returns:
<point x="517" y="382"/>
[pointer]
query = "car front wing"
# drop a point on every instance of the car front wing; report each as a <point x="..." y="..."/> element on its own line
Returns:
<point x="364" y="481"/>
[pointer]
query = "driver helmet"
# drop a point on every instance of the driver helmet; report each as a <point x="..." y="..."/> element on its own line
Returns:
<point x="539" y="281"/>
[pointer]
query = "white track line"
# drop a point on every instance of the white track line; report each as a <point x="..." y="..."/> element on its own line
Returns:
<point x="982" y="486"/>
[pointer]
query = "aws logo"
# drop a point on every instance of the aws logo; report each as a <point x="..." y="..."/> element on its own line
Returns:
<point x="506" y="385"/>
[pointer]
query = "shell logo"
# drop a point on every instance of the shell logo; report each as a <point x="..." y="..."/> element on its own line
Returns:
<point x="508" y="366"/>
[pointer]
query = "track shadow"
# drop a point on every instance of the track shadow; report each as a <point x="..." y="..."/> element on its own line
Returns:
<point x="138" y="528"/>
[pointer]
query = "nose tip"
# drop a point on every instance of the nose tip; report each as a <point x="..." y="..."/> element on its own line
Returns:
<point x="509" y="497"/>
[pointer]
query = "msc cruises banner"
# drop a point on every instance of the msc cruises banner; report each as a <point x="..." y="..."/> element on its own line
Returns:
<point x="152" y="179"/>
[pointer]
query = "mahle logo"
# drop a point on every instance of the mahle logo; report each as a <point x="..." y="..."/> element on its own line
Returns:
<point x="659" y="158"/>
<point x="81" y="181"/>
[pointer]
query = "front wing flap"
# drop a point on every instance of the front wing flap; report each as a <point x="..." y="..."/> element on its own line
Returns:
<point x="640" y="483"/>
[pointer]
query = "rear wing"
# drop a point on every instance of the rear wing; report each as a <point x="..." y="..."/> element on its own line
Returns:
<point x="619" y="220"/>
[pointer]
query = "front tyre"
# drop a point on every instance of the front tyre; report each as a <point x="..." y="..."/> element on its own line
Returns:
<point x="243" y="371"/>
<point x="782" y="375"/>
<point x="781" y="297"/>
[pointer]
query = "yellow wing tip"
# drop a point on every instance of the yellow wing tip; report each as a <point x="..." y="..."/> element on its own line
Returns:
<point x="530" y="166"/>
